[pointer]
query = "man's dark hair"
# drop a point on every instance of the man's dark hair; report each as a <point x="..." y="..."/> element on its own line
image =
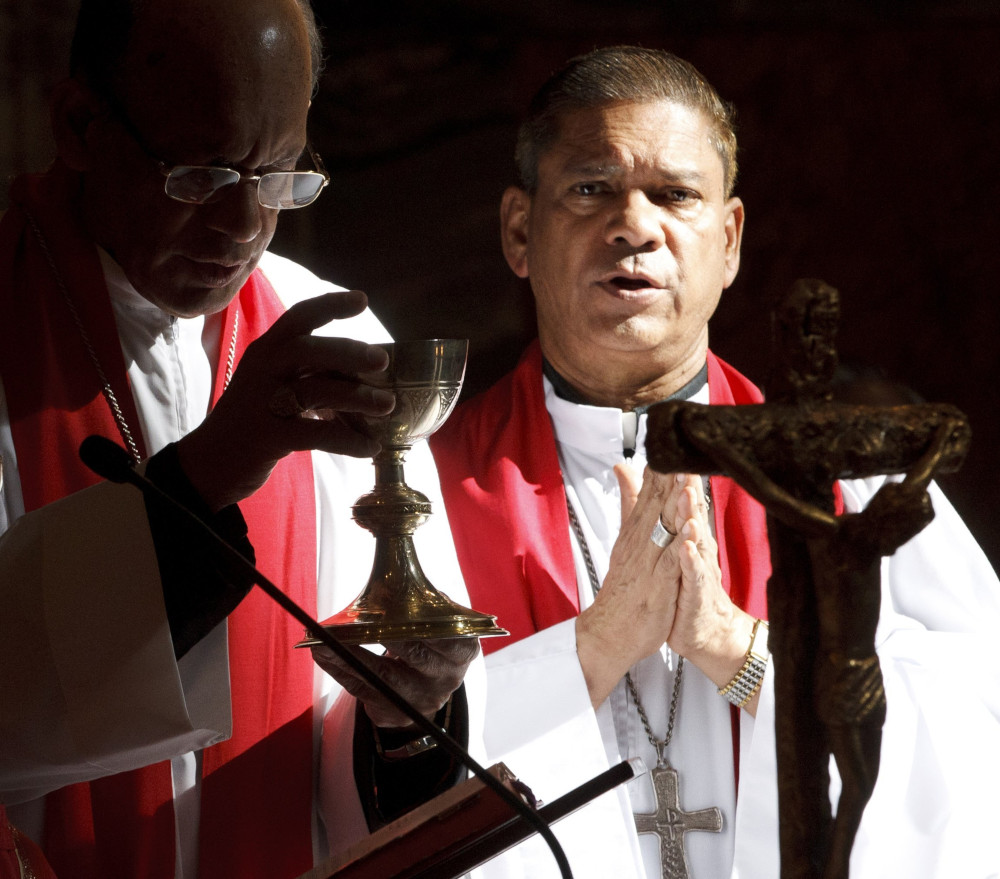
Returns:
<point x="103" y="28"/>
<point x="621" y="73"/>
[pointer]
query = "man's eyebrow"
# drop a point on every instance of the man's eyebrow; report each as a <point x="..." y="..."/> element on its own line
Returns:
<point x="686" y="175"/>
<point x="591" y="169"/>
<point x="294" y="158"/>
<point x="676" y="173"/>
<point x="289" y="159"/>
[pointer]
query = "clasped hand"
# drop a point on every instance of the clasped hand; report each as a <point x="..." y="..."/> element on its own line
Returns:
<point x="653" y="595"/>
<point x="232" y="453"/>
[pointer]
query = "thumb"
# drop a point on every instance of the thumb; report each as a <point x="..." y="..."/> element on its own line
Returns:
<point x="629" y="483"/>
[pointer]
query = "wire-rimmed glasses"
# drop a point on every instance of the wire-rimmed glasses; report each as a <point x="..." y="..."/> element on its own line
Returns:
<point x="205" y="184"/>
<point x="281" y="190"/>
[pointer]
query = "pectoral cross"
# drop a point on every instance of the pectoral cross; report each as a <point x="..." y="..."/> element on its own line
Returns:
<point x="670" y="822"/>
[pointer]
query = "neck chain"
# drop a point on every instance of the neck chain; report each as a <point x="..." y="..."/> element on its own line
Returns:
<point x="106" y="389"/>
<point x="669" y="821"/>
<point x="658" y="744"/>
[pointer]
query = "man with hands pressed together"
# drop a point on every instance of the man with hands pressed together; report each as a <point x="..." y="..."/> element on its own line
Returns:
<point x="139" y="302"/>
<point x="637" y="605"/>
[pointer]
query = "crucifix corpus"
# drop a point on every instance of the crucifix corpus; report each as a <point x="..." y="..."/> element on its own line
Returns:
<point x="824" y="592"/>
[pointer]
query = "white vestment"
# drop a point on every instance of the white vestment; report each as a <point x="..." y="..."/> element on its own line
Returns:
<point x="70" y="708"/>
<point x="934" y="810"/>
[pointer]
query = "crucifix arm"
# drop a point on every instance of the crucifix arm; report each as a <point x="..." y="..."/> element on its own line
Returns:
<point x="899" y="510"/>
<point x="924" y="469"/>
<point x="782" y="505"/>
<point x="903" y="495"/>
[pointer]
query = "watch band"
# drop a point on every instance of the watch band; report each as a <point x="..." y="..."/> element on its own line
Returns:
<point x="410" y="749"/>
<point x="396" y="745"/>
<point x="746" y="682"/>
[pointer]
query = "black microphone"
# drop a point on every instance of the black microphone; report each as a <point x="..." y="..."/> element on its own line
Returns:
<point x="110" y="461"/>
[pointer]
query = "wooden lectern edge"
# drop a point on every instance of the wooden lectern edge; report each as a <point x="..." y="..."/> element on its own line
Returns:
<point x="459" y="829"/>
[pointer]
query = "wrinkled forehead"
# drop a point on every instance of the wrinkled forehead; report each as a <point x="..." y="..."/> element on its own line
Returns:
<point x="659" y="132"/>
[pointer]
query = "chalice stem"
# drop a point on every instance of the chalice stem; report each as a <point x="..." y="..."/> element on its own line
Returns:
<point x="396" y="573"/>
<point x="389" y="467"/>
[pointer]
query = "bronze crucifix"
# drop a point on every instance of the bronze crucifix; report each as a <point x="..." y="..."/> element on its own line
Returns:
<point x="824" y="591"/>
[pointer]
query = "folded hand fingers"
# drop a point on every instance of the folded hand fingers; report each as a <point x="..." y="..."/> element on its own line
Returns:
<point x="659" y="502"/>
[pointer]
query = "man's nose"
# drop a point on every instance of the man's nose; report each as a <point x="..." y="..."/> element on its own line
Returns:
<point x="238" y="213"/>
<point x="636" y="221"/>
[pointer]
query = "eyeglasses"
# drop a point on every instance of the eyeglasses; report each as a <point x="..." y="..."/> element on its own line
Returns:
<point x="281" y="190"/>
<point x="205" y="184"/>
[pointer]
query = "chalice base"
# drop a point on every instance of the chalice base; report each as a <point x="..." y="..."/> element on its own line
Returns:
<point x="357" y="625"/>
<point x="400" y="604"/>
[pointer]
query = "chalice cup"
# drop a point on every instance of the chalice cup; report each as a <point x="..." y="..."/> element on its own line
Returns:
<point x="399" y="603"/>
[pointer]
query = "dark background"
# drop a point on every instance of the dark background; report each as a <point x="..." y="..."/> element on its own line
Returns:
<point x="869" y="138"/>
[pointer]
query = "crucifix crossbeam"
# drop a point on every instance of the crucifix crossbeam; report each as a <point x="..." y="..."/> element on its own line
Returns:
<point x="810" y="446"/>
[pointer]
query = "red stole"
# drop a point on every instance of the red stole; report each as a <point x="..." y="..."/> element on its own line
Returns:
<point x="257" y="788"/>
<point x="17" y="852"/>
<point x="503" y="489"/>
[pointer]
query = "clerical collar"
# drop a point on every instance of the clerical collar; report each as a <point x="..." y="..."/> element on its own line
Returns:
<point x="567" y="392"/>
<point x="629" y="419"/>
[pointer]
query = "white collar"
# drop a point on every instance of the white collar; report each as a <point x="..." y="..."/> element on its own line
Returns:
<point x="596" y="430"/>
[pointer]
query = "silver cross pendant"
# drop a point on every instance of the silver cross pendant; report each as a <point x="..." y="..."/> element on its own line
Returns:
<point x="670" y="822"/>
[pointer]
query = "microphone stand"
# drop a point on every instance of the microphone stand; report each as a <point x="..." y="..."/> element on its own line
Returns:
<point x="110" y="461"/>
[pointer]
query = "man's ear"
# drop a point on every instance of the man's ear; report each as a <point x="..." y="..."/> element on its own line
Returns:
<point x="515" y="209"/>
<point x="734" y="239"/>
<point x="72" y="109"/>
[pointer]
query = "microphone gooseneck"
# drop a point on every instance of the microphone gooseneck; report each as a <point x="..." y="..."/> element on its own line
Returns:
<point x="107" y="459"/>
<point x="110" y="461"/>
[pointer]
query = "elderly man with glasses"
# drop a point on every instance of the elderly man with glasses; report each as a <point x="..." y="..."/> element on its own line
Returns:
<point x="138" y="301"/>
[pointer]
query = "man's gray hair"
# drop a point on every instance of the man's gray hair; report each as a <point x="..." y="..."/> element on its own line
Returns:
<point x="621" y="73"/>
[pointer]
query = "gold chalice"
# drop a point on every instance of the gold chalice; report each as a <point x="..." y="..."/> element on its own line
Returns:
<point x="399" y="603"/>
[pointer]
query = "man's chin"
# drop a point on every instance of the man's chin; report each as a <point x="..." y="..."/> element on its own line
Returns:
<point x="195" y="288"/>
<point x="194" y="300"/>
